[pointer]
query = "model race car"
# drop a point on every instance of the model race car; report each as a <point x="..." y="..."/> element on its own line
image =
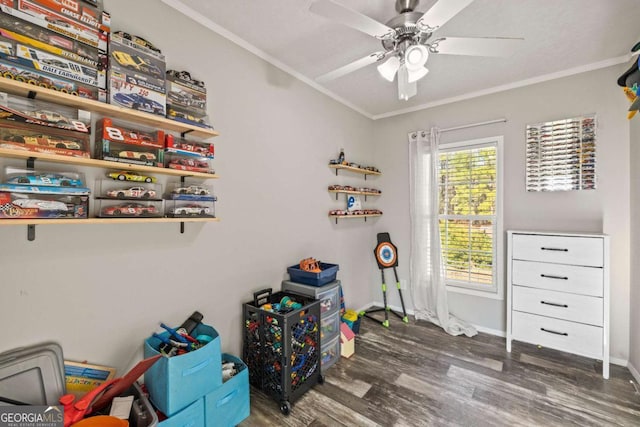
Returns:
<point x="190" y="210"/>
<point x="43" y="205"/>
<point x="49" y="116"/>
<point x="138" y="102"/>
<point x="129" y="209"/>
<point x="50" y="141"/>
<point x="137" y="40"/>
<point x="136" y="63"/>
<point x="49" y="179"/>
<point x="132" y="193"/>
<point x="193" y="163"/>
<point x="192" y="189"/>
<point x="131" y="176"/>
<point x="139" y="155"/>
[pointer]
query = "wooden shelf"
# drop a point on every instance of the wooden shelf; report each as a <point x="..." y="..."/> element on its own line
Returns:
<point x="43" y="221"/>
<point x="365" y="172"/>
<point x="363" y="193"/>
<point x="113" y="111"/>
<point x="80" y="161"/>
<point x="354" y="216"/>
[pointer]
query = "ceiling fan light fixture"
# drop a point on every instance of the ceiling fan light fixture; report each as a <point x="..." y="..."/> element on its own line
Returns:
<point x="415" y="75"/>
<point x="416" y="56"/>
<point x="389" y="68"/>
<point x="406" y="89"/>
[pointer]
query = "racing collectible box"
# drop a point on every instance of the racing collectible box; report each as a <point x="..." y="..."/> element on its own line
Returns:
<point x="23" y="32"/>
<point x="61" y="24"/>
<point x="18" y="109"/>
<point x="38" y="205"/>
<point x="13" y="68"/>
<point x="126" y="55"/>
<point x="30" y="137"/>
<point x="126" y="92"/>
<point x="125" y="145"/>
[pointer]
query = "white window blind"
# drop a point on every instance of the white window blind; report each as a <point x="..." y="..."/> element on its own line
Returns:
<point x="468" y="221"/>
<point x="561" y="155"/>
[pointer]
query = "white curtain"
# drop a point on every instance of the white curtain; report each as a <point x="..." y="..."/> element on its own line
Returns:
<point x="428" y="288"/>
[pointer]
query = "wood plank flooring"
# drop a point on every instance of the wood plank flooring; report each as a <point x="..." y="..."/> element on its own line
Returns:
<point x="417" y="375"/>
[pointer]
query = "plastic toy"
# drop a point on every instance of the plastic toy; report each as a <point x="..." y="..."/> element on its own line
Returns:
<point x="192" y="189"/>
<point x="46" y="179"/>
<point x="129" y="209"/>
<point x="288" y="302"/>
<point x="43" y="205"/>
<point x="140" y="155"/>
<point x="138" y="102"/>
<point x="138" y="40"/>
<point x="191" y="210"/>
<point x="131" y="176"/>
<point x="132" y="192"/>
<point x="311" y="265"/>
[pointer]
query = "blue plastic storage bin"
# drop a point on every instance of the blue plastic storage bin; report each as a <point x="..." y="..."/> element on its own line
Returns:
<point x="176" y="382"/>
<point x="191" y="416"/>
<point x="327" y="275"/>
<point x="228" y="405"/>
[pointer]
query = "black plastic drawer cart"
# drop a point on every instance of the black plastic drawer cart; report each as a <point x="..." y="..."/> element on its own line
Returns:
<point x="282" y="345"/>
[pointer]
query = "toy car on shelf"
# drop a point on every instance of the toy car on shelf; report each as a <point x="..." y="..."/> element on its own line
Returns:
<point x="137" y="40"/>
<point x="136" y="63"/>
<point x="43" y="205"/>
<point x="131" y="176"/>
<point x="129" y="209"/>
<point x="138" y="102"/>
<point x="133" y="193"/>
<point x="50" y="141"/>
<point x="192" y="189"/>
<point x="47" y="179"/>
<point x="140" y="155"/>
<point x="190" y="210"/>
<point x="186" y="76"/>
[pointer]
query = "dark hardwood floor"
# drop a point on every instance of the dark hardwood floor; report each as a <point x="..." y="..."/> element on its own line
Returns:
<point x="417" y="375"/>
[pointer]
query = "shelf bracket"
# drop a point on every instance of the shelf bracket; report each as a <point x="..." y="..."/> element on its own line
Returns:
<point x="336" y="220"/>
<point x="31" y="164"/>
<point x="365" y="219"/>
<point x="365" y="176"/>
<point x="31" y="94"/>
<point x="336" y="171"/>
<point x="182" y="223"/>
<point x="183" y="134"/>
<point x="31" y="232"/>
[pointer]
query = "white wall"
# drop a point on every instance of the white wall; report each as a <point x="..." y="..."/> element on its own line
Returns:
<point x="634" y="300"/>
<point x="99" y="290"/>
<point x="603" y="210"/>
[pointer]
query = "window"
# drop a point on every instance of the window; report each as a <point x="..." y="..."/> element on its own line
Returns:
<point x="469" y="213"/>
<point x="561" y="155"/>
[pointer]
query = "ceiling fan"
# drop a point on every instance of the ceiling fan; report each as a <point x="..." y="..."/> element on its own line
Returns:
<point x="408" y="40"/>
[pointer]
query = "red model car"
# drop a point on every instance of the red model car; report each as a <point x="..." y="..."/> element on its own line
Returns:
<point x="130" y="209"/>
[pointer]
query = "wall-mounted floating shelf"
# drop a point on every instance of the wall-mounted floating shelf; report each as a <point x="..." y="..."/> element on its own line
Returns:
<point x="353" y="169"/>
<point x="365" y="216"/>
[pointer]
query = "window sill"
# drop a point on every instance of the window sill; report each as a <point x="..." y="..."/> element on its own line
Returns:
<point x="474" y="292"/>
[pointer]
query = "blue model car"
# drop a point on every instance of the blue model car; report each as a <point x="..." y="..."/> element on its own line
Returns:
<point x="139" y="102"/>
<point x="52" y="180"/>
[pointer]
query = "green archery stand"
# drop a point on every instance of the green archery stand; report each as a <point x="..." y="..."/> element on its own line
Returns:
<point x="386" y="254"/>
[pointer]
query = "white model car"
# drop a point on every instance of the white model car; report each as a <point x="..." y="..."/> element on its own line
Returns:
<point x="132" y="193"/>
<point x="191" y="210"/>
<point x="192" y="189"/>
<point x="43" y="205"/>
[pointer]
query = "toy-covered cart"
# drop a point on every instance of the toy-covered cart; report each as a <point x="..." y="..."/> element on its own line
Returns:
<point x="281" y="344"/>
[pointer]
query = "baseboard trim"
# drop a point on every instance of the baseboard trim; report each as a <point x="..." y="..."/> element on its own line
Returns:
<point x="634" y="372"/>
<point x="490" y="331"/>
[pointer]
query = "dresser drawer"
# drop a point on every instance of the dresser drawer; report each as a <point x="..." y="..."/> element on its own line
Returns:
<point x="571" y="337"/>
<point x="558" y="277"/>
<point x="559" y="249"/>
<point x="561" y="305"/>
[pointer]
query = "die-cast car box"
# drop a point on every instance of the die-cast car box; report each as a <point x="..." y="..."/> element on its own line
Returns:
<point x="23" y="32"/>
<point x="36" y="14"/>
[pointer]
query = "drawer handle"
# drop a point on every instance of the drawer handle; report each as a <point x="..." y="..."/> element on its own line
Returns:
<point x="554" y="332"/>
<point x="549" y="276"/>
<point x="554" y="304"/>
<point x="555" y="249"/>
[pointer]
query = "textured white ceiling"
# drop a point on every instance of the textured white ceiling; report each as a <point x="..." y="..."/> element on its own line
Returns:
<point x="559" y="35"/>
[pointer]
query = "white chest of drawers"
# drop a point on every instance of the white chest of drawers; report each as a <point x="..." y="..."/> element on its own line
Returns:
<point x="558" y="292"/>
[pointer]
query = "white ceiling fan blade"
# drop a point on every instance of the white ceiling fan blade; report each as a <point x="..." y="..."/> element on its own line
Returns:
<point x="478" y="46"/>
<point x="351" y="18"/>
<point x="441" y="12"/>
<point x="349" y="68"/>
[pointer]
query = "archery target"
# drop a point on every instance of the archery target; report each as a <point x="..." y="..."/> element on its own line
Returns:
<point x="386" y="254"/>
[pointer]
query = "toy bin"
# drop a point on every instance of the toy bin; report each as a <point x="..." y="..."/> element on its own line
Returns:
<point x="327" y="274"/>
<point x="281" y="344"/>
<point x="330" y="353"/>
<point x="191" y="416"/>
<point x="329" y="327"/>
<point x="329" y="294"/>
<point x="176" y="382"/>
<point x="228" y="405"/>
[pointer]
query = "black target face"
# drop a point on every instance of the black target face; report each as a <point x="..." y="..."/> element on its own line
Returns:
<point x="386" y="254"/>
